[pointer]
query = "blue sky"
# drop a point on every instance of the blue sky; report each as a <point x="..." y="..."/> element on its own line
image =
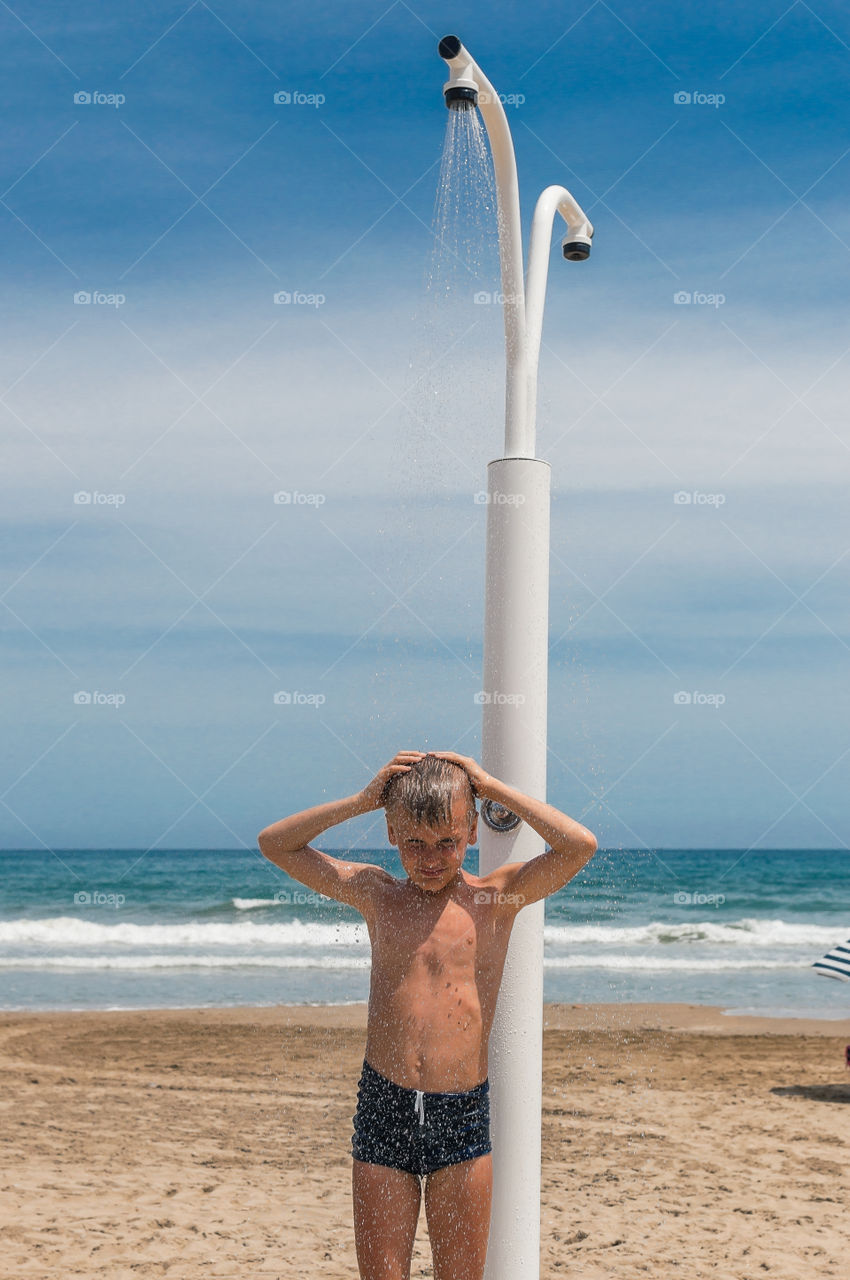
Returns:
<point x="194" y="597"/>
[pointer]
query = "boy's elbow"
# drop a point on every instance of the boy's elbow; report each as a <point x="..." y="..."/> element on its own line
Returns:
<point x="587" y="847"/>
<point x="577" y="851"/>
<point x="273" y="846"/>
<point x="266" y="843"/>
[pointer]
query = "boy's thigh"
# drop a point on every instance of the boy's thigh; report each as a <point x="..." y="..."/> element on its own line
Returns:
<point x="469" y="1179"/>
<point x="386" y="1210"/>
<point x="457" y="1209"/>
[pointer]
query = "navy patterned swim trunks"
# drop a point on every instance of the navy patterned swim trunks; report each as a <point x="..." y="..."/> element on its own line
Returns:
<point x="416" y="1131"/>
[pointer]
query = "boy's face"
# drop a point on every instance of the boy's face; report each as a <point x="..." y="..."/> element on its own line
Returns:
<point x="432" y="856"/>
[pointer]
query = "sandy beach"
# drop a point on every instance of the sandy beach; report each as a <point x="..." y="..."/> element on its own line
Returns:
<point x="215" y="1144"/>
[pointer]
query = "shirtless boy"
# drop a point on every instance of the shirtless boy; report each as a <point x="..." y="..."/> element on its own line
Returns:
<point x="439" y="939"/>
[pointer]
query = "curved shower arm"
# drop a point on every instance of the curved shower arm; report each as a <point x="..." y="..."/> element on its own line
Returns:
<point x="466" y="73"/>
<point x="553" y="200"/>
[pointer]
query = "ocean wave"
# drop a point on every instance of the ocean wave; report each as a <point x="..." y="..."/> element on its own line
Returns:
<point x="80" y="933"/>
<point x="252" y="904"/>
<point x="191" y="960"/>
<point x="348" y="961"/>
<point x="750" y="931"/>
<point x="669" y="964"/>
<point x="68" y="931"/>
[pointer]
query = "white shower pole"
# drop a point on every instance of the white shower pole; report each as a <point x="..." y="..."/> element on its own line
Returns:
<point x="516" y="641"/>
<point x="516" y="636"/>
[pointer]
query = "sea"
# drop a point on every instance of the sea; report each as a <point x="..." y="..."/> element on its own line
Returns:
<point x="130" y="929"/>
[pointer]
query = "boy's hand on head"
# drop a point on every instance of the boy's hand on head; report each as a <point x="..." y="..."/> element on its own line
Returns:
<point x="373" y="794"/>
<point x="479" y="780"/>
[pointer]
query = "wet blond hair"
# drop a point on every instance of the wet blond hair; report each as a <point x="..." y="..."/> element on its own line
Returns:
<point x="427" y="789"/>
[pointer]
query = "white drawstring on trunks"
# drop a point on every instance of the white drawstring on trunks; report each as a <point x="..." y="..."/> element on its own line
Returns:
<point x="419" y="1105"/>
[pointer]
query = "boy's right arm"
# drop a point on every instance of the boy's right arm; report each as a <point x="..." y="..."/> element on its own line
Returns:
<point x="287" y="843"/>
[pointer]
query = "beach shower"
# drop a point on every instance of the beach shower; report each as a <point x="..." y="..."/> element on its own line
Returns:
<point x="515" y="679"/>
<point x="523" y="303"/>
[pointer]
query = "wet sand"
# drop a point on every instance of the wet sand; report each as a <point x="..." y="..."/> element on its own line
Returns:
<point x="215" y="1144"/>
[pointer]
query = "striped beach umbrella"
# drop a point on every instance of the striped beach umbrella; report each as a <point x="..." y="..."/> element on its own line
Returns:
<point x="836" y="963"/>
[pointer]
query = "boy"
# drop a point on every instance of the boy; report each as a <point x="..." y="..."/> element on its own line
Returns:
<point x="439" y="940"/>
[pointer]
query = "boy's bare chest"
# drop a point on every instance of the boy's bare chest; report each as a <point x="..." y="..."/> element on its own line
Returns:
<point x="453" y="942"/>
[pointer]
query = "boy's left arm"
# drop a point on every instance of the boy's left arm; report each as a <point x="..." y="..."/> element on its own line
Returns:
<point x="571" y="845"/>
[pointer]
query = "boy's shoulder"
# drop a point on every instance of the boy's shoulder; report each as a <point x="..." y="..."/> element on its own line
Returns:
<point x="496" y="879"/>
<point x="493" y="889"/>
